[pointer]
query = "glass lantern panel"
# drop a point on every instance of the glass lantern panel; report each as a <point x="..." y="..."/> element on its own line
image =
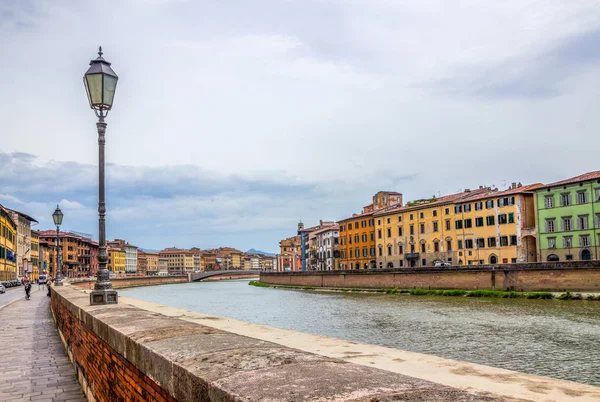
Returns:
<point x="94" y="88"/>
<point x="110" y="84"/>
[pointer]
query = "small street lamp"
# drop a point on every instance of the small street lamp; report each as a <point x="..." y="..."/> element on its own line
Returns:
<point x="57" y="217"/>
<point x="100" y="84"/>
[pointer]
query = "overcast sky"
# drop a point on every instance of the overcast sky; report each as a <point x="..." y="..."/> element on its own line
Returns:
<point x="234" y="119"/>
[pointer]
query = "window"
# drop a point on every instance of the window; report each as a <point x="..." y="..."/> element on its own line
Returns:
<point x="503" y="241"/>
<point x="467" y="207"/>
<point x="469" y="243"/>
<point x="511" y="217"/>
<point x="489" y="220"/>
<point x="356" y="239"/>
<point x="551" y="242"/>
<point x="582" y="197"/>
<point x="436" y="246"/>
<point x="379" y="222"/>
<point x="412" y="248"/>
<point x="365" y="252"/>
<point x="501" y="202"/>
<point x="400" y="249"/>
<point x="457" y="209"/>
<point x="468" y="223"/>
<point x="410" y="217"/>
<point x="422" y="228"/>
<point x="447" y="210"/>
<point x="372" y="236"/>
<point x="388" y="220"/>
<point x="459" y="244"/>
<point x="458" y="224"/>
<point x="598" y="195"/>
<point x="479" y="222"/>
<point x="448" y="224"/>
<point x="480" y="243"/>
<point x="584" y="241"/>
<point x="422" y="247"/>
<point x="489" y="204"/>
<point x="597" y="220"/>
<point x="380" y="251"/>
<point x="421" y="215"/>
<point x="372" y="223"/>
<point x="565" y="199"/>
<point x="363" y="224"/>
<point x="549" y="201"/>
<point x="379" y="233"/>
<point x="435" y="226"/>
<point x="399" y="218"/>
<point x="389" y="250"/>
<point x="567" y="241"/>
<point x="434" y="213"/>
<point x="513" y="240"/>
<point x="491" y="242"/>
<point x="355" y="225"/>
<point x="357" y="252"/>
<point x="583" y="222"/>
<point x="364" y="237"/>
<point x="502" y="219"/>
<point x="550" y="225"/>
<point x="478" y="206"/>
<point x="567" y="224"/>
<point x="389" y="232"/>
<point x="448" y="245"/>
<point x="399" y="230"/>
<point x="412" y="230"/>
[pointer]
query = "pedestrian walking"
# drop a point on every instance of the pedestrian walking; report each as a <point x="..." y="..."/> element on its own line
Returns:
<point x="48" y="287"/>
<point x="27" y="290"/>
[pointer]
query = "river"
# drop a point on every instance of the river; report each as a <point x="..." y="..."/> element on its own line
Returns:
<point x="559" y="339"/>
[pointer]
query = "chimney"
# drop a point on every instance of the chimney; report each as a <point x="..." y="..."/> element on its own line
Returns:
<point x="514" y="185"/>
<point x="519" y="185"/>
<point x="467" y="190"/>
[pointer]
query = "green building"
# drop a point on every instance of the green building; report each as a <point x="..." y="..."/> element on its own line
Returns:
<point x="568" y="219"/>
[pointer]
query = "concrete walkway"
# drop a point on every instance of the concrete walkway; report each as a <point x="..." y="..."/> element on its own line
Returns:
<point x="33" y="362"/>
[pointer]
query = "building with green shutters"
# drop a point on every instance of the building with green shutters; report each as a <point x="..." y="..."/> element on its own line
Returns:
<point x="568" y="219"/>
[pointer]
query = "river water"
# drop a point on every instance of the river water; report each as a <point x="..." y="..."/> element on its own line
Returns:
<point x="552" y="338"/>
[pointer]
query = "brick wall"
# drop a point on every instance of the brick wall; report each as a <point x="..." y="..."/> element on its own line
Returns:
<point x="576" y="276"/>
<point x="133" y="281"/>
<point x="102" y="372"/>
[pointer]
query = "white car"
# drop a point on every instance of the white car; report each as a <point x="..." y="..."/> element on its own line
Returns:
<point x="2" y="288"/>
<point x="442" y="264"/>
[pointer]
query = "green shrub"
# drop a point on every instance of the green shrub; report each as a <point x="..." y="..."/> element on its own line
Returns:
<point x="259" y="284"/>
<point x="540" y="295"/>
<point x="454" y="292"/>
<point x="565" y="296"/>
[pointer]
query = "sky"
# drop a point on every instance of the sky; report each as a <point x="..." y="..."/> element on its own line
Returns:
<point x="233" y="120"/>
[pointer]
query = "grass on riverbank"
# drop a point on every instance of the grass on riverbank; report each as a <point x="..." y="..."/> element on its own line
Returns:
<point x="499" y="294"/>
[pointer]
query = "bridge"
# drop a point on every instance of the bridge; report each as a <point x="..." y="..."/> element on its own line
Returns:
<point x="239" y="273"/>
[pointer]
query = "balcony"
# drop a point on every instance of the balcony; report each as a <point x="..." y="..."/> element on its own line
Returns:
<point x="412" y="256"/>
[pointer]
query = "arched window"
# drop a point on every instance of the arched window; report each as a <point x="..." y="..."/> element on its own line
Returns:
<point x="586" y="254"/>
<point x="493" y="259"/>
<point x="553" y="257"/>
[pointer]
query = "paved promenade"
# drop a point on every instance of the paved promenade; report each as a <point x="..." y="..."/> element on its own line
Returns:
<point x="33" y="362"/>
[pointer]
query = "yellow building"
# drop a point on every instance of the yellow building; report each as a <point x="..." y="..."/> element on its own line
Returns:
<point x="35" y="256"/>
<point x="147" y="263"/>
<point x="289" y="257"/>
<point x="419" y="233"/>
<point x="116" y="260"/>
<point x="178" y="261"/>
<point x="483" y="226"/>
<point x="8" y="246"/>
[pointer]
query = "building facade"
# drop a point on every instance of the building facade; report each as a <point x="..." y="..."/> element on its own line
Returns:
<point x="178" y="261"/>
<point x="147" y="263"/>
<point x="327" y="248"/>
<point x="23" y="222"/>
<point x="289" y="257"/>
<point x="116" y="260"/>
<point x="568" y="218"/>
<point x="8" y="246"/>
<point x="267" y="263"/>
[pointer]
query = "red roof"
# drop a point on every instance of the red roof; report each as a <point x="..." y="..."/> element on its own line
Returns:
<point x="326" y="229"/>
<point x="492" y="193"/>
<point x="582" y="177"/>
<point x="355" y="216"/>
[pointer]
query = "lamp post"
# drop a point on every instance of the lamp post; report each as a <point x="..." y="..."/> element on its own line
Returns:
<point x="100" y="83"/>
<point x="57" y="217"/>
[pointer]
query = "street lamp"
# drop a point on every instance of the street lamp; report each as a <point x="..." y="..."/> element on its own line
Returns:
<point x="57" y="217"/>
<point x="100" y="83"/>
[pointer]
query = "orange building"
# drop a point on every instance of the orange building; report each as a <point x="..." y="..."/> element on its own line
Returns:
<point x="289" y="257"/>
<point x="77" y="252"/>
<point x="357" y="233"/>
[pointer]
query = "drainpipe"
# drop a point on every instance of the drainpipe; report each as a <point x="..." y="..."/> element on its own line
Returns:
<point x="595" y="239"/>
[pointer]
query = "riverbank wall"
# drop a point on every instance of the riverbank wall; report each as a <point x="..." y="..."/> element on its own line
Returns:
<point x="132" y="281"/>
<point x="581" y="276"/>
<point x="140" y="351"/>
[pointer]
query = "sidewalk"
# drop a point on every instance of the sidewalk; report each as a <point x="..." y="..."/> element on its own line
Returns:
<point x="33" y="362"/>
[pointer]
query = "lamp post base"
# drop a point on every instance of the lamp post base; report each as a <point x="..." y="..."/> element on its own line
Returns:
<point x="58" y="281"/>
<point x="104" y="296"/>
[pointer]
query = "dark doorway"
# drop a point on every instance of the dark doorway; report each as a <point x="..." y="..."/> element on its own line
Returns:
<point x="553" y="257"/>
<point x="493" y="259"/>
<point x="586" y="255"/>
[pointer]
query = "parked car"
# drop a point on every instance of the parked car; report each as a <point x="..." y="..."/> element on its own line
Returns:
<point x="42" y="279"/>
<point x="442" y="264"/>
<point x="2" y="288"/>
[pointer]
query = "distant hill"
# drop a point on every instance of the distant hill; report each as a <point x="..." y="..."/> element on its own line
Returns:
<point x="253" y="251"/>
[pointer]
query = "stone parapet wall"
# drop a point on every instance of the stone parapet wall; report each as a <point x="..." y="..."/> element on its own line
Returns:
<point x="133" y="281"/>
<point x="561" y="276"/>
<point x="124" y="353"/>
